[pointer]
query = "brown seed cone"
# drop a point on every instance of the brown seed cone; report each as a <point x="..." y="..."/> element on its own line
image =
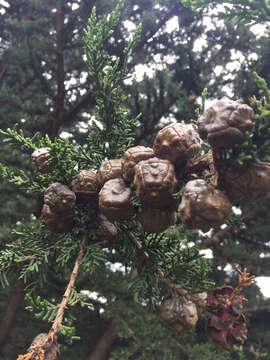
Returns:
<point x="60" y="198"/>
<point x="51" y="349"/>
<point x="228" y="322"/>
<point x="108" y="232"/>
<point x="39" y="159"/>
<point x="202" y="206"/>
<point x="110" y="169"/>
<point x="156" y="220"/>
<point x="224" y="124"/>
<point x="155" y="182"/>
<point x="179" y="313"/>
<point x="131" y="157"/>
<point x="177" y="143"/>
<point x="115" y="200"/>
<point x="86" y="185"/>
<point x="250" y="181"/>
<point x="55" y="222"/>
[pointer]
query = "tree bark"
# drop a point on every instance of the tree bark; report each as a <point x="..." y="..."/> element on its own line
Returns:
<point x="60" y="96"/>
<point x="10" y="313"/>
<point x="103" y="346"/>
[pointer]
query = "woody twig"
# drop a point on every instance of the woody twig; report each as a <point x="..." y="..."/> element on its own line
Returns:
<point x="174" y="288"/>
<point x="60" y="313"/>
<point x="37" y="353"/>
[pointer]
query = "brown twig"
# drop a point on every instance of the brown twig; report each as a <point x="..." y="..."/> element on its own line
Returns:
<point x="38" y="352"/>
<point x="135" y="241"/>
<point x="60" y="313"/>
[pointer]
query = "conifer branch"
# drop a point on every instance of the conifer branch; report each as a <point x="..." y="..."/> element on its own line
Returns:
<point x="37" y="353"/>
<point x="175" y="289"/>
<point x="60" y="313"/>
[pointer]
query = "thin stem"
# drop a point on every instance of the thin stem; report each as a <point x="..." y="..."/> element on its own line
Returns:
<point x="51" y="337"/>
<point x="59" y="317"/>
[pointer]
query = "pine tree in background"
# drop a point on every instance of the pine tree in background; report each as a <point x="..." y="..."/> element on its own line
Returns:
<point x="154" y="98"/>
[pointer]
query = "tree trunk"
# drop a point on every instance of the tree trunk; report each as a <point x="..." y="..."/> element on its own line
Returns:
<point x="103" y="346"/>
<point x="60" y="96"/>
<point x="11" y="310"/>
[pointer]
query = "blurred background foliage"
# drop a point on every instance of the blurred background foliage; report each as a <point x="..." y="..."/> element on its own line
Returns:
<point x="45" y="86"/>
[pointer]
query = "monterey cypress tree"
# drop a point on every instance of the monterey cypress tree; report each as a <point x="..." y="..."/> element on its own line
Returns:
<point x="47" y="88"/>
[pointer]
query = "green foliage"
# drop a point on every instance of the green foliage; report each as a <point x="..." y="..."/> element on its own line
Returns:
<point x="204" y="97"/>
<point x="200" y="109"/>
<point x="168" y="252"/>
<point x="35" y="252"/>
<point x="21" y="178"/>
<point x="29" y="253"/>
<point x="135" y="331"/>
<point x="261" y="83"/>
<point x="240" y="12"/>
<point x="235" y="220"/>
<point x="65" y="161"/>
<point x="206" y="351"/>
<point x="111" y="133"/>
<point x="18" y="138"/>
<point x="45" y="310"/>
<point x="261" y="133"/>
<point x="247" y="152"/>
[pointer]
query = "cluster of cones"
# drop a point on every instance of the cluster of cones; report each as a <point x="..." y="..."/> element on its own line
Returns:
<point x="153" y="175"/>
<point x="226" y="323"/>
